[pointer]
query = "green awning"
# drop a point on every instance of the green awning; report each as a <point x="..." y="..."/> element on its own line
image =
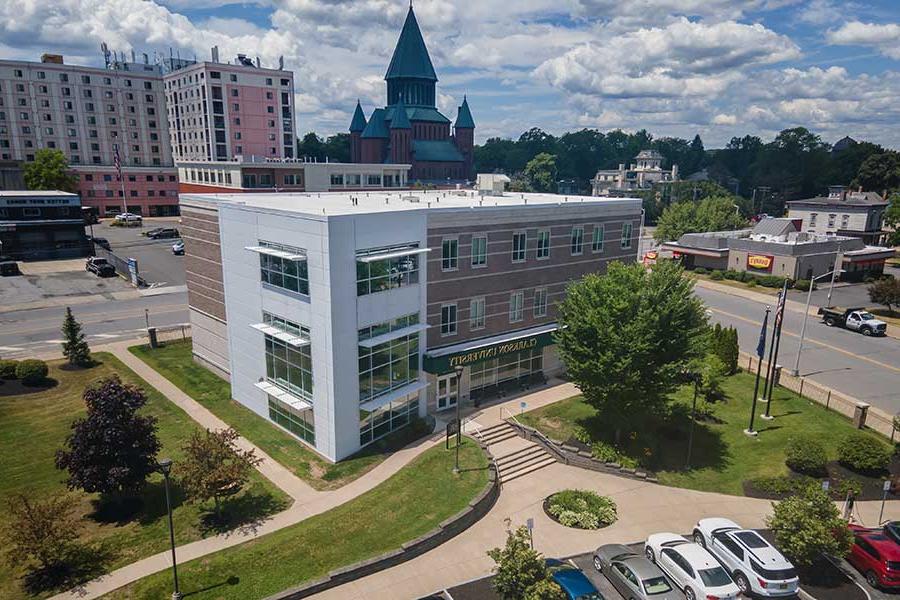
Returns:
<point x="444" y="360"/>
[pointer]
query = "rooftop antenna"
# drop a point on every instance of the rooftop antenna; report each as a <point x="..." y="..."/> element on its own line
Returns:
<point x="281" y="64"/>
<point x="133" y="59"/>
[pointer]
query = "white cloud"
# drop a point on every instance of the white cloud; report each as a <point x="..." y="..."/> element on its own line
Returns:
<point x="883" y="37"/>
<point x="723" y="119"/>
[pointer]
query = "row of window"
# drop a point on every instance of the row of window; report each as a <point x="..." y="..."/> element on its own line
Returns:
<point x="285" y="273"/>
<point x="845" y="220"/>
<point x="85" y="79"/>
<point x="390" y="365"/>
<point x="88" y="107"/>
<point x="479" y="249"/>
<point x="132" y="178"/>
<point x="386" y="273"/>
<point x="390" y="417"/>
<point x="289" y="366"/>
<point x="173" y="83"/>
<point x="131" y="193"/>
<point x="478" y="316"/>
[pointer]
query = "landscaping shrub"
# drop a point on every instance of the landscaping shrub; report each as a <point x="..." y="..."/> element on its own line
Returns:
<point x="8" y="368"/>
<point x="863" y="453"/>
<point x="582" y="508"/>
<point x="745" y="277"/>
<point x="716" y="275"/>
<point x="701" y="271"/>
<point x="803" y="285"/>
<point x="32" y="371"/>
<point x="771" y="281"/>
<point x="751" y="283"/>
<point x="732" y="275"/>
<point x="783" y="485"/>
<point x="805" y="454"/>
<point x="609" y="453"/>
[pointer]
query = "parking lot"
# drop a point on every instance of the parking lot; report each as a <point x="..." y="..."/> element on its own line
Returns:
<point x="156" y="262"/>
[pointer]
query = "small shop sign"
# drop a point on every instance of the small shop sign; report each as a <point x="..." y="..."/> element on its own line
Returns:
<point x="760" y="262"/>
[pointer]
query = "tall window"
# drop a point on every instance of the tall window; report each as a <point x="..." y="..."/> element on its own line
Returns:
<point x="831" y="219"/>
<point x="381" y="421"/>
<point x="450" y="255"/>
<point x="476" y="313"/>
<point x="288" y="366"/>
<point x="385" y="274"/>
<point x="516" y="306"/>
<point x="300" y="422"/>
<point x="597" y="240"/>
<point x="389" y="365"/>
<point x="626" y="235"/>
<point x="479" y="251"/>
<point x="812" y="219"/>
<point x="540" y="302"/>
<point x="543" y="244"/>
<point x="448" y="319"/>
<point x="577" y="244"/>
<point x="845" y="221"/>
<point x="285" y="273"/>
<point x="520" y="241"/>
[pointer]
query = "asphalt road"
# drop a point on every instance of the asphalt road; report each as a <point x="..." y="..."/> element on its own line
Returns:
<point x="156" y="263"/>
<point x="36" y="332"/>
<point x="863" y="367"/>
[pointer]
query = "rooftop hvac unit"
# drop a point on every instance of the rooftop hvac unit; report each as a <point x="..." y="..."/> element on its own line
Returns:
<point x="415" y="199"/>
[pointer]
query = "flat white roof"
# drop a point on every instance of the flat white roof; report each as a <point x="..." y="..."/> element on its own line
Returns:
<point x="369" y="202"/>
<point x="35" y="193"/>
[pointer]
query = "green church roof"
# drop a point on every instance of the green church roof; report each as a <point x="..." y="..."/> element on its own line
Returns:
<point x="464" y="118"/>
<point x="411" y="60"/>
<point x="399" y="118"/>
<point x="376" y="128"/>
<point x="359" y="119"/>
<point x="418" y="113"/>
<point x="436" y="151"/>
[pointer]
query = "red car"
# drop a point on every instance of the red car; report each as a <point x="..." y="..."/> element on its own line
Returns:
<point x="876" y="556"/>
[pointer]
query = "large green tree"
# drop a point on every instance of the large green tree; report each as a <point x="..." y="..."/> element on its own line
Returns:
<point x="717" y="213"/>
<point x="892" y="219"/>
<point x="49" y="171"/>
<point x="627" y="336"/>
<point x="887" y="292"/>
<point x="808" y="525"/>
<point x="540" y="172"/>
<point x="880" y="172"/>
<point x="214" y="466"/>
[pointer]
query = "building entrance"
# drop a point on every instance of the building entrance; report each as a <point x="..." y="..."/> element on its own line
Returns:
<point x="447" y="391"/>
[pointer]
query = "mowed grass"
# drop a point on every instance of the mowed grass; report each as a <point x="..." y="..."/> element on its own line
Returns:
<point x="174" y="362"/>
<point x="34" y="425"/>
<point x="723" y="457"/>
<point x="409" y="504"/>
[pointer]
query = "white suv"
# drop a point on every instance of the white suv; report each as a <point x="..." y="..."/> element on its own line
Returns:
<point x="756" y="566"/>
<point x="693" y="569"/>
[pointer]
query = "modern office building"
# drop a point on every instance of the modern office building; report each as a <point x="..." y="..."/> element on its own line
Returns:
<point x="41" y="225"/>
<point x="339" y="316"/>
<point x="843" y="212"/>
<point x="251" y="174"/>
<point x="643" y="174"/>
<point x="219" y="111"/>
<point x="779" y="247"/>
<point x="410" y="129"/>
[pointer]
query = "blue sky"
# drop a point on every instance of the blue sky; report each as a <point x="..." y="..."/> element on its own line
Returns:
<point x="719" y="68"/>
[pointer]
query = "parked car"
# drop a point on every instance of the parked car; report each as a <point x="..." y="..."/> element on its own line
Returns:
<point x="877" y="556"/>
<point x="163" y="233"/>
<point x="575" y="585"/>
<point x="99" y="266"/>
<point x="854" y="319"/>
<point x="693" y="570"/>
<point x="756" y="566"/>
<point x="632" y="574"/>
<point x="102" y="242"/>
<point x="178" y="248"/>
<point x="8" y="267"/>
<point x="151" y="231"/>
<point x="128" y="217"/>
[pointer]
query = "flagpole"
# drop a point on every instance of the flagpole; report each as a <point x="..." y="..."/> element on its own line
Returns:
<point x="118" y="165"/>
<point x="760" y="352"/>
<point x="771" y="347"/>
<point x="779" y="323"/>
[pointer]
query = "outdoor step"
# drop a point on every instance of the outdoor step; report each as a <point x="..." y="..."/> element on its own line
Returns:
<point x="498" y="427"/>
<point x="526" y="470"/>
<point x="497" y="438"/>
<point x="506" y="459"/>
<point x="520" y="461"/>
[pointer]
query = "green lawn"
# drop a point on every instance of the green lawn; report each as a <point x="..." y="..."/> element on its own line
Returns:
<point x="409" y="504"/>
<point x="174" y="362"/>
<point x="34" y="425"/>
<point x="723" y="456"/>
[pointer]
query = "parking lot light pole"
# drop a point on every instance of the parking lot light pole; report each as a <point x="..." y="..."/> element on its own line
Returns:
<point x="459" y="372"/>
<point x="165" y="466"/>
<point x="796" y="370"/>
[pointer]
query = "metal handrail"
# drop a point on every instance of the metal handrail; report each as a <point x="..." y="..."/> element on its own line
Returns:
<point x="475" y="427"/>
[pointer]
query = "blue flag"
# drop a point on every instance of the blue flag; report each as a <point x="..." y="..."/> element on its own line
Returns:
<point x="761" y="347"/>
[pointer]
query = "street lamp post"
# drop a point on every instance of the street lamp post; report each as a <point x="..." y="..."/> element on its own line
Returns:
<point x="459" y="372"/>
<point x="165" y="467"/>
<point x="796" y="371"/>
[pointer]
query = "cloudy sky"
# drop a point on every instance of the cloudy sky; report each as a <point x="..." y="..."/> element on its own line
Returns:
<point x="675" y="67"/>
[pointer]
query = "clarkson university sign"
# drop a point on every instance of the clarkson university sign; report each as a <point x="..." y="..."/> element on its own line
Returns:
<point x="465" y="358"/>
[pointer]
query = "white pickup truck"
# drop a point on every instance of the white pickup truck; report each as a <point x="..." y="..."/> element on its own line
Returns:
<point x="855" y="319"/>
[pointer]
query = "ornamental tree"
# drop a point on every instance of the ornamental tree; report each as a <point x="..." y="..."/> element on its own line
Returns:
<point x="41" y="531"/>
<point x="808" y="525"/>
<point x="626" y="338"/>
<point x="75" y="348"/>
<point x="519" y="569"/>
<point x="214" y="466"/>
<point x="716" y="213"/>
<point x="48" y="171"/>
<point x="887" y="292"/>
<point x="112" y="449"/>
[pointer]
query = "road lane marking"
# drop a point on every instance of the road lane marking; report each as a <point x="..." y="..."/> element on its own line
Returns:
<point x="813" y="341"/>
<point x="102" y="318"/>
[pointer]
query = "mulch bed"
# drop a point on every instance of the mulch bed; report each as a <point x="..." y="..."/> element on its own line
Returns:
<point x="546" y="504"/>
<point x="14" y="387"/>
<point x="872" y="485"/>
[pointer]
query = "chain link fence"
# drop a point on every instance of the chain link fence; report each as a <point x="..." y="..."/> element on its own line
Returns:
<point x="848" y="406"/>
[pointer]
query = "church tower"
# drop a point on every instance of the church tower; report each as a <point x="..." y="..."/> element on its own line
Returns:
<point x="410" y="76"/>
<point x="357" y="126"/>
<point x="464" y="134"/>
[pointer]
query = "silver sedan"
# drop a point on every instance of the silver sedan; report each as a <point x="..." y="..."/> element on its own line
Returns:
<point x="635" y="577"/>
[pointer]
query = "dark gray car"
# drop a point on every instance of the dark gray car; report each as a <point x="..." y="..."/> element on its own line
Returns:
<point x="635" y="577"/>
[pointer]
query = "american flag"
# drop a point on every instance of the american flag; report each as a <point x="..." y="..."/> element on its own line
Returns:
<point x="779" y="309"/>
<point x="117" y="162"/>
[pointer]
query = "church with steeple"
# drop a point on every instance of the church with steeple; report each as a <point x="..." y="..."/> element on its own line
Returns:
<point x="410" y="129"/>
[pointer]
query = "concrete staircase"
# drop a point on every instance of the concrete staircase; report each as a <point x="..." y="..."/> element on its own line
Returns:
<point x="519" y="456"/>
